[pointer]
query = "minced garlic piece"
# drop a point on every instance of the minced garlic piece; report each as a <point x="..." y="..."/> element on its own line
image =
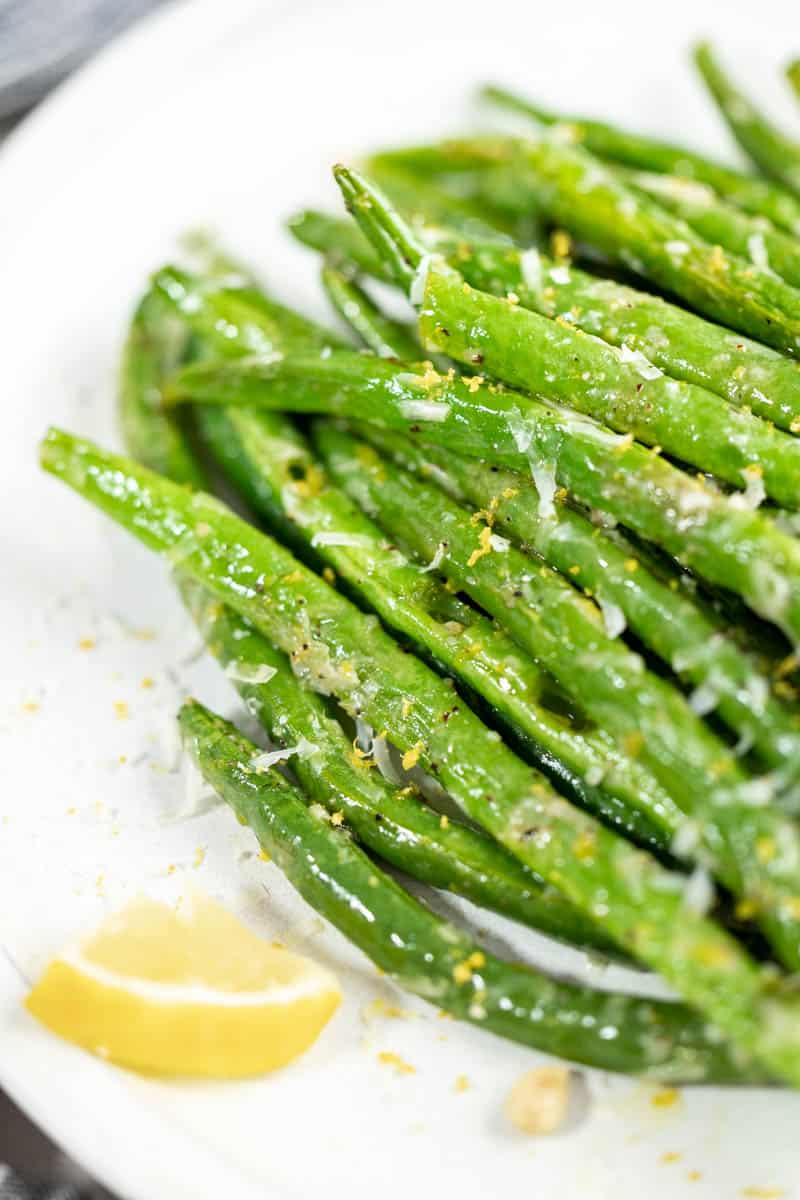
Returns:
<point x="538" y="1101"/>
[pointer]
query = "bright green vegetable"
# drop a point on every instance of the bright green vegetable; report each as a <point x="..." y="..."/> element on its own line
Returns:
<point x="392" y="822"/>
<point x="728" y="545"/>
<point x="397" y="826"/>
<point x="671" y="621"/>
<point x="793" y="74"/>
<point x="666" y="618"/>
<point x="567" y="635"/>
<point x="555" y="360"/>
<point x="155" y="346"/>
<point x="735" y="819"/>
<point x="751" y="238"/>
<point x="273" y="468"/>
<point x="234" y="317"/>
<point x="681" y="344"/>
<point x="435" y="959"/>
<point x="771" y="150"/>
<point x="340" y="651"/>
<point x="387" y="339"/>
<point x="561" y="363"/>
<point x="756" y="196"/>
<point x="570" y="186"/>
<point x="420" y="199"/>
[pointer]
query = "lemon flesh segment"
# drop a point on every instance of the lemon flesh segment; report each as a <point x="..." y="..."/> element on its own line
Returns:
<point x="185" y="991"/>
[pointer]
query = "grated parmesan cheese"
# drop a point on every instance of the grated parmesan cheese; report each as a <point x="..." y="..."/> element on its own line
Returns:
<point x="243" y="672"/>
<point x="416" y="292"/>
<point x="613" y="617"/>
<point x="336" y="537"/>
<point x="423" y="410"/>
<point x="754" y="492"/>
<point x="640" y="362"/>
<point x="436" y="561"/>
<point x="544" y="477"/>
<point x="699" y="894"/>
<point x="267" y="759"/>
<point x="530" y="265"/>
<point x="757" y="249"/>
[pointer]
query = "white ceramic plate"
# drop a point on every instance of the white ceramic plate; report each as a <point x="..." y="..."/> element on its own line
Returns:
<point x="229" y="116"/>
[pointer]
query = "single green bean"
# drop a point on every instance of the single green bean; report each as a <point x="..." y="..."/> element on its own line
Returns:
<point x="155" y="346"/>
<point x="386" y="338"/>
<point x="771" y="150"/>
<point x="793" y="74"/>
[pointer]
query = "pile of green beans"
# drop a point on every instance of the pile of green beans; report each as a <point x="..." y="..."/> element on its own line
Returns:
<point x="517" y="591"/>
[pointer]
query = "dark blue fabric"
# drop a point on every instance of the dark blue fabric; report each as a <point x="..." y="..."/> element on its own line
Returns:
<point x="13" y="1187"/>
<point x="41" y="41"/>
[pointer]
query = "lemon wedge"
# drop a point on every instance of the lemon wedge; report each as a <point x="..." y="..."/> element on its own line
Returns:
<point x="185" y="991"/>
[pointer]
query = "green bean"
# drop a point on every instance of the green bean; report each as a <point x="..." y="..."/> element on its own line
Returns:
<point x="155" y="346"/>
<point x="751" y="845"/>
<point x="436" y="960"/>
<point x="341" y="651"/>
<point x="751" y="238"/>
<point x="273" y="468"/>
<point x="771" y="150"/>
<point x="666" y="618"/>
<point x="388" y="339"/>
<point x="681" y="344"/>
<point x="793" y="74"/>
<point x="724" y="543"/>
<point x="390" y="821"/>
<point x="572" y="187"/>
<point x="756" y="196"/>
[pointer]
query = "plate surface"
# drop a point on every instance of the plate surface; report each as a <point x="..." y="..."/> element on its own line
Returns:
<point x="228" y="117"/>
